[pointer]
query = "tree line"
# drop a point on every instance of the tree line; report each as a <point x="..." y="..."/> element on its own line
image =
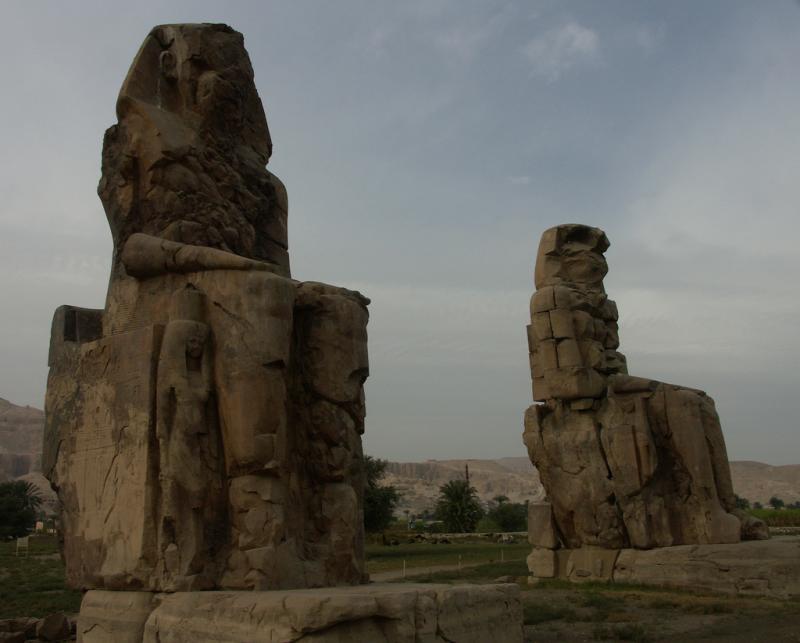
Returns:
<point x="457" y="508"/>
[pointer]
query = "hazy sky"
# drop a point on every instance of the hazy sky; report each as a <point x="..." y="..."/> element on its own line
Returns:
<point x="425" y="146"/>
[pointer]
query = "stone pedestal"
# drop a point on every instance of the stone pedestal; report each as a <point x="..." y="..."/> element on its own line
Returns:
<point x="756" y="568"/>
<point x="378" y="613"/>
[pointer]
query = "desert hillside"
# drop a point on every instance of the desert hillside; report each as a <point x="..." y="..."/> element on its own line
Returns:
<point x="21" y="430"/>
<point x="419" y="482"/>
<point x="516" y="478"/>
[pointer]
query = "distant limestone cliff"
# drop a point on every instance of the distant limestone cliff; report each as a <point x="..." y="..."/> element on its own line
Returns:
<point x="516" y="478"/>
<point x="418" y="482"/>
<point x="20" y="440"/>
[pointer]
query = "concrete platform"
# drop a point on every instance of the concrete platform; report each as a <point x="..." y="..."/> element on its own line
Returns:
<point x="378" y="613"/>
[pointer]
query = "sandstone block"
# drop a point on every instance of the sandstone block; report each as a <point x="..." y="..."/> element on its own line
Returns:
<point x="561" y="323"/>
<point x="531" y="337"/>
<point x="114" y="616"/>
<point x="541" y="529"/>
<point x="541" y="391"/>
<point x="399" y="613"/>
<point x="757" y="568"/>
<point x="569" y="354"/>
<point x="543" y="300"/>
<point x="541" y="326"/>
<point x="542" y="563"/>
<point x="574" y="382"/>
<point x="591" y="564"/>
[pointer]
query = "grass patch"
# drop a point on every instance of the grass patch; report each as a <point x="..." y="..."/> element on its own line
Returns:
<point x="778" y="517"/>
<point x="33" y="585"/>
<point x="541" y="613"/>
<point x="626" y="632"/>
<point x="381" y="558"/>
<point x="476" y="574"/>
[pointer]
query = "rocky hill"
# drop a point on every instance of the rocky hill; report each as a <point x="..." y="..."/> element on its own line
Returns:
<point x="419" y="482"/>
<point x="757" y="481"/>
<point x="21" y="429"/>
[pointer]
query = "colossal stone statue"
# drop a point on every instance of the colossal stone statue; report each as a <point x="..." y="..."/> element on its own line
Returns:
<point x="203" y="430"/>
<point x="627" y="462"/>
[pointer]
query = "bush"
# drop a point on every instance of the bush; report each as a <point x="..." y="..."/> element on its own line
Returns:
<point x="379" y="501"/>
<point x="509" y="516"/>
<point x="19" y="502"/>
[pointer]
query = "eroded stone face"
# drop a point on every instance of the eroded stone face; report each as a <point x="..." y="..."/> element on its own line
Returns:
<point x="626" y="461"/>
<point x="203" y="430"/>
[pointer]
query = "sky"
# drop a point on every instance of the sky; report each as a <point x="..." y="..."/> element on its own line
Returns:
<point x="425" y="145"/>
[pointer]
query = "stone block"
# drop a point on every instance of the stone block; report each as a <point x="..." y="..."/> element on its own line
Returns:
<point x="114" y="616"/>
<point x="106" y="432"/>
<point x="542" y="563"/>
<point x="547" y="354"/>
<point x="575" y="382"/>
<point x="541" y="528"/>
<point x="379" y="613"/>
<point x="541" y="391"/>
<point x="564" y="297"/>
<point x="569" y="354"/>
<point x="561" y="323"/>
<point x="754" y="568"/>
<point x="541" y="326"/>
<point x="593" y="354"/>
<point x="583" y="323"/>
<point x="591" y="564"/>
<point x="543" y="300"/>
<point x="531" y="337"/>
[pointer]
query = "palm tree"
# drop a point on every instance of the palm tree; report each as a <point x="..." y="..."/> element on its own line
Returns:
<point x="19" y="501"/>
<point x="458" y="506"/>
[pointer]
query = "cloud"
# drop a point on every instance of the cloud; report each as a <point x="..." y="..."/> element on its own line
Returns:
<point x="464" y="40"/>
<point x="649" y="37"/>
<point x="518" y="180"/>
<point x="557" y="51"/>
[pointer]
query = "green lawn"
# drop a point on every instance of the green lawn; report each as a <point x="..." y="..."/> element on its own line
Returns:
<point x="778" y="517"/>
<point x="381" y="558"/>
<point x="33" y="585"/>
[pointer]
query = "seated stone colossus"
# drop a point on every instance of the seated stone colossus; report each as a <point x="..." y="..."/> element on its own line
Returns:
<point x="203" y="430"/>
<point x="627" y="462"/>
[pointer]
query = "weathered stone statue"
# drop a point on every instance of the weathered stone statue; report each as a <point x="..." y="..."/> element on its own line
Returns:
<point x="627" y="462"/>
<point x="204" y="429"/>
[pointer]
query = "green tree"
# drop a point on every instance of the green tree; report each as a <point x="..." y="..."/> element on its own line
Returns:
<point x="776" y="502"/>
<point x="742" y="503"/>
<point x="379" y="501"/>
<point x="458" y="506"/>
<point x="19" y="502"/>
<point x="508" y="516"/>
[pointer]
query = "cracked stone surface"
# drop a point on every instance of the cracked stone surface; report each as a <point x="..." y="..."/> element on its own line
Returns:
<point x="203" y="429"/>
<point x="627" y="462"/>
<point x="379" y="613"/>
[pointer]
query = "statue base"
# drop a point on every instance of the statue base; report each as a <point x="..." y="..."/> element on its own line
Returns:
<point x="379" y="612"/>
<point x="754" y="568"/>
